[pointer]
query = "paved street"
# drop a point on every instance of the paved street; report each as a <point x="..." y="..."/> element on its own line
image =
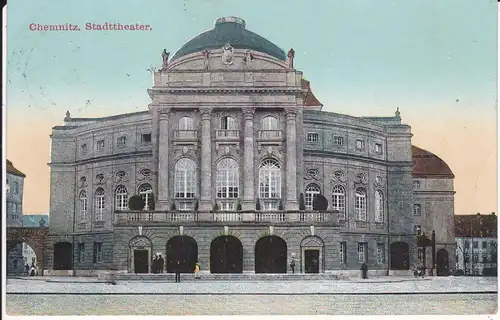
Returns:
<point x="375" y="296"/>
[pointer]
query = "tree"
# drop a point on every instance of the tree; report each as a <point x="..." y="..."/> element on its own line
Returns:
<point x="320" y="203"/>
<point x="302" y="204"/>
<point x="257" y="205"/>
<point x="136" y="203"/>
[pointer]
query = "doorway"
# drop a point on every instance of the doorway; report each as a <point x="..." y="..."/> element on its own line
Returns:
<point x="141" y="262"/>
<point x="311" y="261"/>
<point x="226" y="255"/>
<point x="270" y="255"/>
<point x="442" y="262"/>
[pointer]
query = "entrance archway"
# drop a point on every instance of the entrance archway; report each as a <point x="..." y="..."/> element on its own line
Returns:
<point x="311" y="249"/>
<point x="140" y="254"/>
<point x="442" y="263"/>
<point x="15" y="263"/>
<point x="226" y="255"/>
<point x="63" y="252"/>
<point x="400" y="256"/>
<point x="182" y="249"/>
<point x="270" y="255"/>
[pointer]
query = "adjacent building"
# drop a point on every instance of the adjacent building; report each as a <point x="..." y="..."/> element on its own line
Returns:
<point x="14" y="205"/>
<point x="476" y="244"/>
<point x="228" y="159"/>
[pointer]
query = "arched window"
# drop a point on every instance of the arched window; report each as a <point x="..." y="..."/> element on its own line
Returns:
<point x="312" y="190"/>
<point x="227" y="183"/>
<point x="146" y="193"/>
<point x="270" y="183"/>
<point x="269" y="123"/>
<point x="83" y="206"/>
<point x="16" y="187"/>
<point x="379" y="206"/>
<point x="185" y="123"/>
<point x="185" y="178"/>
<point x="360" y="204"/>
<point x="99" y="204"/>
<point x="228" y="123"/>
<point x="121" y="198"/>
<point x="338" y="201"/>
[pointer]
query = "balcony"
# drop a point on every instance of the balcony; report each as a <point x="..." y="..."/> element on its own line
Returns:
<point x="227" y="134"/>
<point x="270" y="135"/>
<point x="124" y="218"/>
<point x="185" y="136"/>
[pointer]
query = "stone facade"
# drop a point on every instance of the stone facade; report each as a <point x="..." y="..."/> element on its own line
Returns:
<point x="250" y="109"/>
<point x="14" y="215"/>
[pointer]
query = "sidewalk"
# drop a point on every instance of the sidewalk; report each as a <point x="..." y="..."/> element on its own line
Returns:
<point x="435" y="285"/>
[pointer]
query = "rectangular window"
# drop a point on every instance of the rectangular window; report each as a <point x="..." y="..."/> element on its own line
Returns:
<point x="227" y="206"/>
<point x="99" y="208"/>
<point x="380" y="253"/>
<point x="81" y="252"/>
<point x="475" y="245"/>
<point x="417" y="209"/>
<point x="466" y="245"/>
<point x="378" y="148"/>
<point x="83" y="209"/>
<point x="146" y="138"/>
<point x="121" y="141"/>
<point x="475" y="257"/>
<point x="97" y="252"/>
<point x="343" y="252"/>
<point x="312" y="137"/>
<point x="485" y="258"/>
<point x="338" y="141"/>
<point x="420" y="254"/>
<point x="84" y="148"/>
<point x="100" y="145"/>
<point x="417" y="229"/>
<point x="362" y="252"/>
<point x="360" y="144"/>
<point x="484" y="245"/>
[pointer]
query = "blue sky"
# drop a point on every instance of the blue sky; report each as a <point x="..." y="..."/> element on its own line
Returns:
<point x="436" y="60"/>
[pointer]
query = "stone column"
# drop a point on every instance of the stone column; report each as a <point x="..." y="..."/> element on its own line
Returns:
<point x="291" y="160"/>
<point x="248" y="161"/>
<point x="206" y="160"/>
<point x="163" y="169"/>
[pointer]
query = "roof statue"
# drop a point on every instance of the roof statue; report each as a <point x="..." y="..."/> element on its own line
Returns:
<point x="164" y="56"/>
<point x="397" y="113"/>
<point x="68" y="116"/>
<point x="227" y="54"/>
<point x="42" y="222"/>
<point x="206" y="54"/>
<point x="248" y="57"/>
<point x="290" y="55"/>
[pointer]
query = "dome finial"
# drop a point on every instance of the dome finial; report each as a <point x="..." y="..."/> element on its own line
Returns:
<point x="397" y="113"/>
<point x="230" y="20"/>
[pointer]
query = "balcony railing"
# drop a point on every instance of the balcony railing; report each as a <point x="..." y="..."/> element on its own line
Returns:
<point x="186" y="134"/>
<point x="270" y="135"/>
<point x="227" y="134"/>
<point x="191" y="216"/>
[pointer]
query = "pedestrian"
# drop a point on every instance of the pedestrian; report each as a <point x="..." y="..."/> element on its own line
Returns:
<point x="32" y="271"/>
<point x="178" y="271"/>
<point x="364" y="270"/>
<point x="292" y="265"/>
<point x="154" y="265"/>
<point x="197" y="271"/>
<point x="161" y="263"/>
<point x="27" y="269"/>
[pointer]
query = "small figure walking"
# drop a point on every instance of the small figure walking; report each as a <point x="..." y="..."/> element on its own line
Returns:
<point x="154" y="265"/>
<point x="27" y="268"/>
<point x="197" y="271"/>
<point x="364" y="270"/>
<point x="161" y="264"/>
<point x="178" y="271"/>
<point x="292" y="265"/>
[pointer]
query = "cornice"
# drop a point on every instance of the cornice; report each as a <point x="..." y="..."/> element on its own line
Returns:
<point x="186" y="90"/>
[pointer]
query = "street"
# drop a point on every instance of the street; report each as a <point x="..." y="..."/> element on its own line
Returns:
<point x="380" y="296"/>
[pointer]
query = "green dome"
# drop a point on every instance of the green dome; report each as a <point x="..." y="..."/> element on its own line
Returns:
<point x="230" y="30"/>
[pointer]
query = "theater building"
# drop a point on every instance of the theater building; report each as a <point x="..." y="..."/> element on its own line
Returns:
<point x="232" y="140"/>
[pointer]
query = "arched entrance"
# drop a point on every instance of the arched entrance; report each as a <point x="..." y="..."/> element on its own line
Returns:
<point x="270" y="255"/>
<point x="140" y="254"/>
<point x="32" y="239"/>
<point x="15" y="265"/>
<point x="182" y="249"/>
<point x="311" y="249"/>
<point x="226" y="255"/>
<point x="442" y="263"/>
<point x="63" y="252"/>
<point x="400" y="257"/>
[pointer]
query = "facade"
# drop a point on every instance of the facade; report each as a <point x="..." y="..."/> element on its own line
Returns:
<point x="476" y="244"/>
<point x="233" y="139"/>
<point x="14" y="214"/>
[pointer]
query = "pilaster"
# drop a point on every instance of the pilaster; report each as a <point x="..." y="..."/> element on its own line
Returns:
<point x="248" y="160"/>
<point x="206" y="160"/>
<point x="163" y="169"/>
<point x="291" y="159"/>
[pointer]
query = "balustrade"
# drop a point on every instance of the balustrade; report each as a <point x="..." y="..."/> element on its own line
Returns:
<point x="270" y="134"/>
